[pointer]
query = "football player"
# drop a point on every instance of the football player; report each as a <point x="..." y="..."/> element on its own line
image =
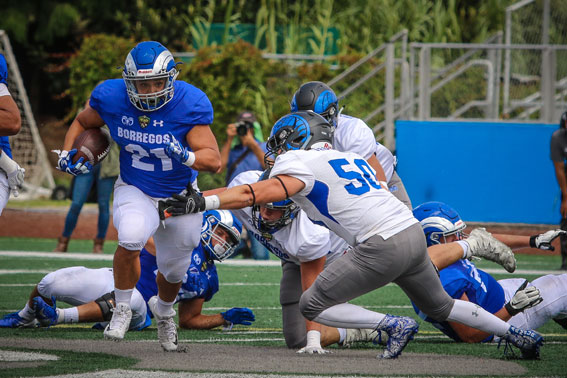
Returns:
<point x="304" y="249"/>
<point x="11" y="174"/>
<point x="351" y="134"/>
<point x="340" y="190"/>
<point x="91" y="290"/>
<point x="162" y="127"/>
<point x="522" y="304"/>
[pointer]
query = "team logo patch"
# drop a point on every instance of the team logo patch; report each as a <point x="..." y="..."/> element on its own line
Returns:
<point x="144" y="121"/>
<point x="267" y="236"/>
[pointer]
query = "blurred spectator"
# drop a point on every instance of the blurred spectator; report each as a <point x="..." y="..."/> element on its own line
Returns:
<point x="558" y="156"/>
<point x="244" y="150"/>
<point x="104" y="174"/>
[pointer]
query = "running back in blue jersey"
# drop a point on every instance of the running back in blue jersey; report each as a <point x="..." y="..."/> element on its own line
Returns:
<point x="142" y="135"/>
<point x="201" y="280"/>
<point x="462" y="277"/>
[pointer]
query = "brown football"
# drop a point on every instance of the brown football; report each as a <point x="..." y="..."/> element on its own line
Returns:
<point x="93" y="145"/>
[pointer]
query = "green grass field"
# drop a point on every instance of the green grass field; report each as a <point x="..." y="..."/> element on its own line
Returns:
<point x="254" y="287"/>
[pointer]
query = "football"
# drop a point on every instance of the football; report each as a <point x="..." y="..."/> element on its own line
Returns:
<point x="93" y="145"/>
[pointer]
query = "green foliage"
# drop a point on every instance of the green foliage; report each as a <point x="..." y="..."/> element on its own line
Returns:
<point x="99" y="58"/>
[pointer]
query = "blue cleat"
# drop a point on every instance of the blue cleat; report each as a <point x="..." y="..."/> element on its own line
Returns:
<point x="45" y="314"/>
<point x="400" y="330"/>
<point x="14" y="320"/>
<point x="527" y="341"/>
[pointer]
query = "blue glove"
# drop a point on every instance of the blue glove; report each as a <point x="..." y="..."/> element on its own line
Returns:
<point x="239" y="315"/>
<point x="65" y="163"/>
<point x="176" y="151"/>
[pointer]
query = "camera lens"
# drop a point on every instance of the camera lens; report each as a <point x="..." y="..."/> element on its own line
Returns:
<point x="242" y="128"/>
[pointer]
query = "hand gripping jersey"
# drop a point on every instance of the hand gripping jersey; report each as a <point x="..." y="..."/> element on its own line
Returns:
<point x="462" y="277"/>
<point x="142" y="135"/>
<point x="353" y="135"/>
<point x="298" y="242"/>
<point x="342" y="193"/>
<point x="201" y="280"/>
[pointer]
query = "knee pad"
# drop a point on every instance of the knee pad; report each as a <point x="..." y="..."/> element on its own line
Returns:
<point x="45" y="286"/>
<point x="106" y="304"/>
<point x="174" y="268"/>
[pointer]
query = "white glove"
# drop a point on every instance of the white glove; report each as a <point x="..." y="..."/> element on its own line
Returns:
<point x="543" y="241"/>
<point x="14" y="172"/>
<point x="524" y="298"/>
<point x="313" y="344"/>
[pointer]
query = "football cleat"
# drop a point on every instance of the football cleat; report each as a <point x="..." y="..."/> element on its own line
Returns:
<point x="483" y="244"/>
<point x="44" y="313"/>
<point x="400" y="330"/>
<point x="354" y="335"/>
<point x="527" y="341"/>
<point x="118" y="325"/>
<point x="13" y="320"/>
<point x="167" y="329"/>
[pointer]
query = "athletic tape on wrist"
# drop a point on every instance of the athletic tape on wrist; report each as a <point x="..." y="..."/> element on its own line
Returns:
<point x="190" y="159"/>
<point x="212" y="202"/>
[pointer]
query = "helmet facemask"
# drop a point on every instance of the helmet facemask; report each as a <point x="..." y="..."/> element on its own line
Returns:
<point x="149" y="61"/>
<point x="289" y="211"/>
<point x="213" y="237"/>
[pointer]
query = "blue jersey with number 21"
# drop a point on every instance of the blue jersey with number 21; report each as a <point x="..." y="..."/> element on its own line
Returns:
<point x="142" y="136"/>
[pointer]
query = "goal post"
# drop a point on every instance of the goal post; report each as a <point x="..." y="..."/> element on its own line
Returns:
<point x="28" y="149"/>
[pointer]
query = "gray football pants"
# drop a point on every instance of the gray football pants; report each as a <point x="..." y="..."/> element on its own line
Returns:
<point x="398" y="189"/>
<point x="401" y="259"/>
<point x="293" y="322"/>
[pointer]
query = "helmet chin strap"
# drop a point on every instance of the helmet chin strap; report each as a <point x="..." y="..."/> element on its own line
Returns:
<point x="219" y="249"/>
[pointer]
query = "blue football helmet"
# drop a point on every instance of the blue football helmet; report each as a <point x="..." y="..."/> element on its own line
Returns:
<point x="149" y="61"/>
<point x="213" y="220"/>
<point x="320" y="98"/>
<point x="289" y="208"/>
<point x="301" y="130"/>
<point x="438" y="220"/>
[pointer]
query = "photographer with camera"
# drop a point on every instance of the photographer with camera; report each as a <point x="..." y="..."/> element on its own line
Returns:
<point x="244" y="150"/>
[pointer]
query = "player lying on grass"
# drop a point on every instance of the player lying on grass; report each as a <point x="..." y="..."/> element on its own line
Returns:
<point x="91" y="290"/>
<point x="339" y="190"/>
<point x="522" y="304"/>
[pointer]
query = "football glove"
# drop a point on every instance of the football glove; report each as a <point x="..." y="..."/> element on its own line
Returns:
<point x="190" y="203"/>
<point x="14" y="172"/>
<point x="65" y="163"/>
<point x="239" y="315"/>
<point x="176" y="151"/>
<point x="543" y="241"/>
<point x="524" y="298"/>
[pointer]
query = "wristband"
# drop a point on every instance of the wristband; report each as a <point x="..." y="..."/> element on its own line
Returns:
<point x="532" y="241"/>
<point x="212" y="202"/>
<point x="7" y="164"/>
<point x="190" y="159"/>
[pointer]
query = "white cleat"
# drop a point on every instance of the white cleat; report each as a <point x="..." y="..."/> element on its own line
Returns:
<point x="167" y="329"/>
<point x="483" y="244"/>
<point x="356" y="335"/>
<point x="120" y="322"/>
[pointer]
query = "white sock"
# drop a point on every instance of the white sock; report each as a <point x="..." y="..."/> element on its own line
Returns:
<point x="346" y="315"/>
<point x="466" y="249"/>
<point x="165" y="309"/>
<point x="71" y="315"/>
<point x="60" y="316"/>
<point x="474" y="316"/>
<point x="123" y="296"/>
<point x="27" y="313"/>
<point x="342" y="335"/>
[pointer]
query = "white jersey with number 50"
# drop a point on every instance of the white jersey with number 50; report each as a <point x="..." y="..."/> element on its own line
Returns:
<point x="341" y="192"/>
